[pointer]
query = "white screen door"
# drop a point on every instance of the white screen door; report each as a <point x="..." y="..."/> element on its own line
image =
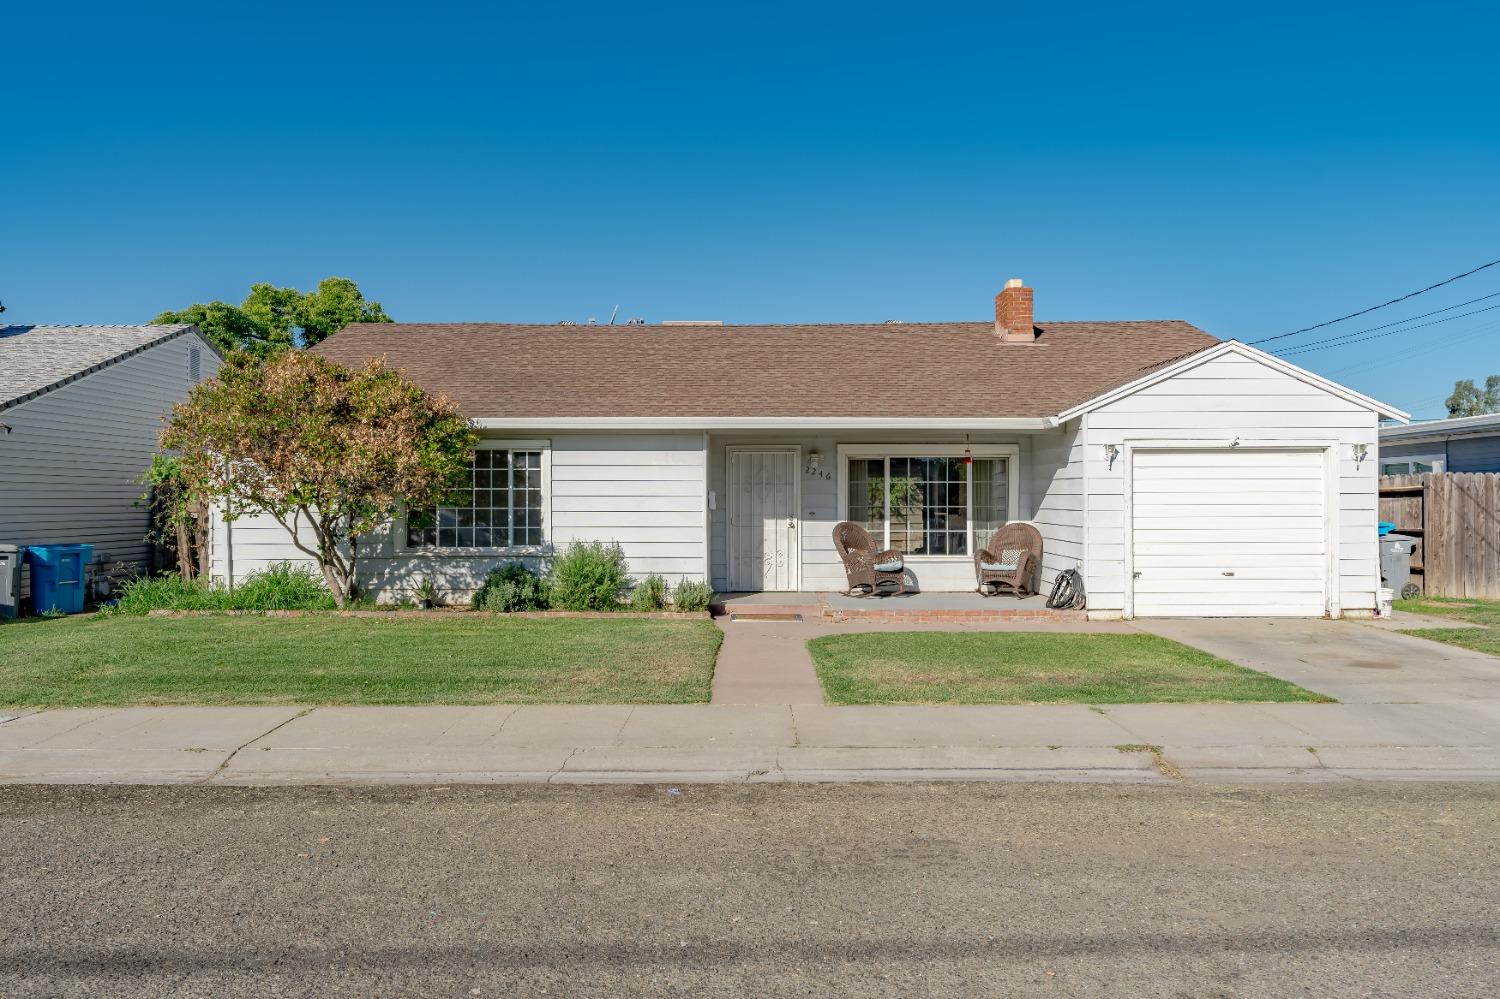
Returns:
<point x="763" y="500"/>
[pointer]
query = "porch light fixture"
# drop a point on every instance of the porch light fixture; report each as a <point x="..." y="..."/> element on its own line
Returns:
<point x="814" y="458"/>
<point x="1361" y="452"/>
<point x="1111" y="452"/>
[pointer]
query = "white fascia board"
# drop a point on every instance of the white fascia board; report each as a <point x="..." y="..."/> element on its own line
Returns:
<point x="1029" y="423"/>
<point x="1243" y="350"/>
<point x="1439" y="430"/>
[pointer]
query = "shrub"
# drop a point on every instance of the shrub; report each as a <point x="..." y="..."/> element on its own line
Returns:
<point x="589" y="577"/>
<point x="650" y="594"/>
<point x="280" y="586"/>
<point x="512" y="587"/>
<point x="692" y="595"/>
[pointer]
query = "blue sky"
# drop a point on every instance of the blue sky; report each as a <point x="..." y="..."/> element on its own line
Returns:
<point x="1253" y="171"/>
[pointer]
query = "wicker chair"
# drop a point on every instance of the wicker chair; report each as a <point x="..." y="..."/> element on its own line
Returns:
<point x="1010" y="560"/>
<point x="864" y="564"/>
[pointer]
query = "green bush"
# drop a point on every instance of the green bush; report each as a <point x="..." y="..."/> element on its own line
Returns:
<point x="692" y="595"/>
<point x="512" y="587"/>
<point x="589" y="577"/>
<point x="281" y="586"/>
<point x="650" y="594"/>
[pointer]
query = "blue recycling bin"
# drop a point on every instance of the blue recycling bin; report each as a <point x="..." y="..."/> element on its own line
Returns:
<point x="57" y="577"/>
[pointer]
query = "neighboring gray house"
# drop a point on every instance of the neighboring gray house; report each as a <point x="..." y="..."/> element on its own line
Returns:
<point x="1467" y="444"/>
<point x="81" y="410"/>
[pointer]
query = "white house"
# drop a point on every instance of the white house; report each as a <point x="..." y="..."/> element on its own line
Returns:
<point x="81" y="409"/>
<point x="1182" y="474"/>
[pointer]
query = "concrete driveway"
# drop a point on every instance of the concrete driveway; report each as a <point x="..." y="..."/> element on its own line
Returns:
<point x="1354" y="662"/>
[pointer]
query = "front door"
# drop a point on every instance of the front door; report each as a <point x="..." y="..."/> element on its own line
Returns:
<point x="763" y="501"/>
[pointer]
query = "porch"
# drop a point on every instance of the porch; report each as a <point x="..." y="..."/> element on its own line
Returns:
<point x="926" y="606"/>
<point x="934" y="496"/>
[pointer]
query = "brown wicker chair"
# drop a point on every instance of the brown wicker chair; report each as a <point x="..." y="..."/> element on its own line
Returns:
<point x="1010" y="560"/>
<point x="863" y="564"/>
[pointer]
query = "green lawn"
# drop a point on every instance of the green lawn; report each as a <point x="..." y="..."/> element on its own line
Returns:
<point x="467" y="659"/>
<point x="932" y="667"/>
<point x="1482" y="612"/>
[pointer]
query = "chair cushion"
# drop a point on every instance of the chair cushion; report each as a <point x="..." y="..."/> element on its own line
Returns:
<point x="894" y="566"/>
<point x="1010" y="561"/>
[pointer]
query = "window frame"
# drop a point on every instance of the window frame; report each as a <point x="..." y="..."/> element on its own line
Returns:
<point x="1010" y="452"/>
<point x="494" y="444"/>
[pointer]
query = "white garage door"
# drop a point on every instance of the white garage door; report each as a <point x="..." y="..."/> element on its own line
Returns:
<point x="1229" y="533"/>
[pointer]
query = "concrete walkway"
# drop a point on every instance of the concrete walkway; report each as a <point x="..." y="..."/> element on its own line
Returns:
<point x="643" y="744"/>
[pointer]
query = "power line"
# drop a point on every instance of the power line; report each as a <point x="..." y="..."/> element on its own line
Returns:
<point x="1361" y="312"/>
<point x="1325" y="345"/>
<point x="1397" y="322"/>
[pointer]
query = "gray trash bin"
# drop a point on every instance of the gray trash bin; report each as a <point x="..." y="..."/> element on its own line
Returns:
<point x="1395" y="565"/>
<point x="10" y="579"/>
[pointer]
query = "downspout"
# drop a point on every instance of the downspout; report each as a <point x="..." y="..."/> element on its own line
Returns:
<point x="229" y="553"/>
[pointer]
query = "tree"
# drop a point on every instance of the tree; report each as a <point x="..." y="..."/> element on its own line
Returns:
<point x="272" y="319"/>
<point x="1468" y="400"/>
<point x="329" y="452"/>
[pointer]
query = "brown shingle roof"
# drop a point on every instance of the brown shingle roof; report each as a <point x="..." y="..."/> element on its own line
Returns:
<point x="943" y="370"/>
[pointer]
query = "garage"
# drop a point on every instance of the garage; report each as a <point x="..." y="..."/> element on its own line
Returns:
<point x="1228" y="532"/>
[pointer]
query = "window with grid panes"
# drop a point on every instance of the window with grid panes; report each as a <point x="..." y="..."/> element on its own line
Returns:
<point x="500" y="508"/>
<point x="937" y="505"/>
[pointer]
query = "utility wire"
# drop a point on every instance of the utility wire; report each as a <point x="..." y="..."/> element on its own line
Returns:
<point x="1386" y="326"/>
<point x="1325" y="345"/>
<point x="1361" y="312"/>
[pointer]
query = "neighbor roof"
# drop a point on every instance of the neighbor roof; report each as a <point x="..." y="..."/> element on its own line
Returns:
<point x="37" y="359"/>
<point x="935" y="370"/>
<point x="1488" y="423"/>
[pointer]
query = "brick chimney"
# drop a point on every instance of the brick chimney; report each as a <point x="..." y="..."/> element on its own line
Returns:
<point x="1013" y="316"/>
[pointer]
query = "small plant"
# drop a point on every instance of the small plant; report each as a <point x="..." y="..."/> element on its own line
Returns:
<point x="512" y="587"/>
<point x="692" y="595"/>
<point x="425" y="593"/>
<point x="590" y="577"/>
<point x="650" y="594"/>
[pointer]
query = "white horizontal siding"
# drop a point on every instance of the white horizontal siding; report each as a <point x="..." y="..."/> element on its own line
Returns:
<point x="69" y="465"/>
<point x="1057" y="478"/>
<point x="645" y="491"/>
<point x="1222" y="399"/>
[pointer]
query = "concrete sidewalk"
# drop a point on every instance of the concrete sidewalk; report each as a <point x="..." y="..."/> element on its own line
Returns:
<point x="679" y="743"/>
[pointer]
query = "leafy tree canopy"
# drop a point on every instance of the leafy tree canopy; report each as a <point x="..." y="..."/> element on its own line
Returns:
<point x="330" y="452"/>
<point x="272" y="319"/>
<point x="1469" y="400"/>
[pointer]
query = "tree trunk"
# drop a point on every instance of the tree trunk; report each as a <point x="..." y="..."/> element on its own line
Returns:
<point x="184" y="552"/>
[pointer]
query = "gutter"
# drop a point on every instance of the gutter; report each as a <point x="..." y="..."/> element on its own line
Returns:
<point x="1029" y="423"/>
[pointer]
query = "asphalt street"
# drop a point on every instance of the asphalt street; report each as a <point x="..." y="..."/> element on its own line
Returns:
<point x="759" y="890"/>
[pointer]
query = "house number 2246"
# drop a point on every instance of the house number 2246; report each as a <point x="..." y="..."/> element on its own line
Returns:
<point x="817" y="473"/>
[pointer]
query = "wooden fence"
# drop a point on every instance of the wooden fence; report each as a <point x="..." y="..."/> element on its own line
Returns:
<point x="1455" y="517"/>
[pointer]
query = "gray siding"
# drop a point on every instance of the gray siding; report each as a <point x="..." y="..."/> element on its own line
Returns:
<point x="69" y="464"/>
<point x="1461" y="454"/>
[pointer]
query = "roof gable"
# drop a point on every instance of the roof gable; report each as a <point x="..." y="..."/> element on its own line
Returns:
<point x="1189" y="361"/>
